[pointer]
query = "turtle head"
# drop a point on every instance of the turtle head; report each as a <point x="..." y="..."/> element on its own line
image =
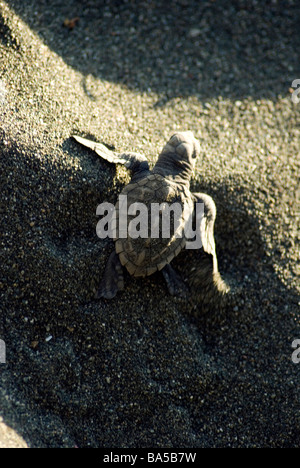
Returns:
<point x="178" y="157"/>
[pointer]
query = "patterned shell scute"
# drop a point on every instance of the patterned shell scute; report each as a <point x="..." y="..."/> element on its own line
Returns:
<point x="162" y="236"/>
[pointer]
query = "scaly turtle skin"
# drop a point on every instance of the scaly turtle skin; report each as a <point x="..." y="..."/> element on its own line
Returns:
<point x="167" y="183"/>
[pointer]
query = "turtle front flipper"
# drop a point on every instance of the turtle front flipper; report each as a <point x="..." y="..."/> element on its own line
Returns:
<point x="175" y="284"/>
<point x="135" y="162"/>
<point x="206" y="225"/>
<point x="208" y="288"/>
<point x="113" y="280"/>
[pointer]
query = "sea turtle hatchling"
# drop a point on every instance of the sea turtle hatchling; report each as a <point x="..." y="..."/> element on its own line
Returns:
<point x="168" y="182"/>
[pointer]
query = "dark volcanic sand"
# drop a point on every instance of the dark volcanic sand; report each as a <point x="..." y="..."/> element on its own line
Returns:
<point x="144" y="370"/>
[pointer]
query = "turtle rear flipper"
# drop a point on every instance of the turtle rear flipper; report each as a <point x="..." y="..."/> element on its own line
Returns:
<point x="175" y="284"/>
<point x="135" y="162"/>
<point x="113" y="280"/>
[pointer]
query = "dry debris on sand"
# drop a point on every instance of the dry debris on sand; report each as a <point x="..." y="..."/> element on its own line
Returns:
<point x="148" y="370"/>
